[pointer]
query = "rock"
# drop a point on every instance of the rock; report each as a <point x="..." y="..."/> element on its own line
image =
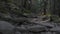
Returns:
<point x="6" y="28"/>
<point x="57" y="29"/>
<point x="17" y="32"/>
<point x="22" y="28"/>
<point x="36" y="28"/>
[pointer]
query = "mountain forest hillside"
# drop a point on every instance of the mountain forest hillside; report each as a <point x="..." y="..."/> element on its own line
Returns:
<point x="29" y="16"/>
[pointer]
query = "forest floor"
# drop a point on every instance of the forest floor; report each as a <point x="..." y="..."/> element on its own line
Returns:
<point x="38" y="25"/>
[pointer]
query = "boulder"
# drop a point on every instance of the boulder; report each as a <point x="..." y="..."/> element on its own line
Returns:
<point x="6" y="28"/>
